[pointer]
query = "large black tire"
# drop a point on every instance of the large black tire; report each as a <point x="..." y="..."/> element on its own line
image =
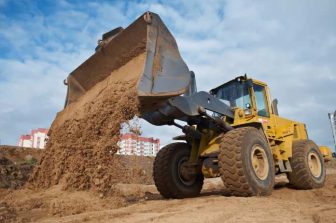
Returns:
<point x="303" y="175"/>
<point x="240" y="149"/>
<point x="167" y="176"/>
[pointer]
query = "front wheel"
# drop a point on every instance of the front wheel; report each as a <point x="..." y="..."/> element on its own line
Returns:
<point x="168" y="172"/>
<point x="308" y="170"/>
<point x="246" y="162"/>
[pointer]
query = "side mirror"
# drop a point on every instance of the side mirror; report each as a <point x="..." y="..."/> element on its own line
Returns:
<point x="274" y="106"/>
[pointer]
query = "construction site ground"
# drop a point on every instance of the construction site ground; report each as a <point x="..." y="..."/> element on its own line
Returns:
<point x="135" y="202"/>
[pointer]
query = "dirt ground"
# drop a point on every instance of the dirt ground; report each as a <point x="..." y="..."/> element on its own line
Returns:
<point x="142" y="203"/>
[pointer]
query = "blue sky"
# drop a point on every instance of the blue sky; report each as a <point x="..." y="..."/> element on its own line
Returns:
<point x="291" y="45"/>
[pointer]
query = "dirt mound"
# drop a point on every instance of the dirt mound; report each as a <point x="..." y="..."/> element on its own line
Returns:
<point x="31" y="205"/>
<point x="331" y="164"/>
<point x="19" y="154"/>
<point x="13" y="175"/>
<point x="7" y="213"/>
<point x="16" y="165"/>
<point x="83" y="137"/>
<point x="139" y="169"/>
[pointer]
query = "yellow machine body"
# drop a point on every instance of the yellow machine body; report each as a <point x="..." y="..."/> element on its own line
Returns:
<point x="279" y="132"/>
<point x="326" y="152"/>
<point x="218" y="129"/>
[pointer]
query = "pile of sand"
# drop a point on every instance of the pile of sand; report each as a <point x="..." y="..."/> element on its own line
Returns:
<point x="19" y="154"/>
<point x="83" y="137"/>
<point x="7" y="213"/>
<point x="13" y="175"/>
<point x="16" y="165"/>
<point x="331" y="163"/>
<point x="30" y="205"/>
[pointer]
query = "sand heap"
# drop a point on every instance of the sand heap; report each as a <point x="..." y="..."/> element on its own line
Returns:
<point x="331" y="163"/>
<point x="16" y="165"/>
<point x="83" y="137"/>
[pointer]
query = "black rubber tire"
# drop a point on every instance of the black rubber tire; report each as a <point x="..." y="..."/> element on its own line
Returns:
<point x="165" y="173"/>
<point x="235" y="163"/>
<point x="301" y="176"/>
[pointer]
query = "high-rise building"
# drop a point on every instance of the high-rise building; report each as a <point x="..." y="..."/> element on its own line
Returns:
<point x="132" y="144"/>
<point x="332" y="117"/>
<point x="37" y="139"/>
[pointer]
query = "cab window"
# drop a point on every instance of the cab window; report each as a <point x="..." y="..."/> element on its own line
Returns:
<point x="234" y="94"/>
<point x="260" y="97"/>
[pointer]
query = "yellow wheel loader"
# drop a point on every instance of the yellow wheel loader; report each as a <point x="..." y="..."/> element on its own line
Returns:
<point x="233" y="131"/>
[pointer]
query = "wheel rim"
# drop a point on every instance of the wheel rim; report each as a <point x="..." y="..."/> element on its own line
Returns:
<point x="259" y="162"/>
<point x="314" y="164"/>
<point x="180" y="171"/>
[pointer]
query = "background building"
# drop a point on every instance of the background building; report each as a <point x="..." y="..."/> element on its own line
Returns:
<point x="132" y="144"/>
<point x="37" y="139"/>
<point x="25" y="141"/>
<point x="332" y="117"/>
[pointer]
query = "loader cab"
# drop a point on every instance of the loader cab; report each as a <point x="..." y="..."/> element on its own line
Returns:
<point x="247" y="95"/>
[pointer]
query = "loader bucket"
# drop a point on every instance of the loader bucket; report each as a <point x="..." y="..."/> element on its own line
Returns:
<point x="162" y="75"/>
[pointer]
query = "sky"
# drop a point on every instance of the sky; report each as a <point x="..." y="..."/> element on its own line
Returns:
<point x="290" y="44"/>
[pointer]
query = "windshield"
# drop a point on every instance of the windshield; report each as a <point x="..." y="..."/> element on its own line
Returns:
<point x="234" y="94"/>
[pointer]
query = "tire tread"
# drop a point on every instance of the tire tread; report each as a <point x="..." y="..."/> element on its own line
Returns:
<point x="231" y="164"/>
<point x="300" y="177"/>
<point x="162" y="174"/>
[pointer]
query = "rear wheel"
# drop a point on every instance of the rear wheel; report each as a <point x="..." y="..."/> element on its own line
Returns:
<point x="308" y="170"/>
<point x="169" y="176"/>
<point x="246" y="162"/>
